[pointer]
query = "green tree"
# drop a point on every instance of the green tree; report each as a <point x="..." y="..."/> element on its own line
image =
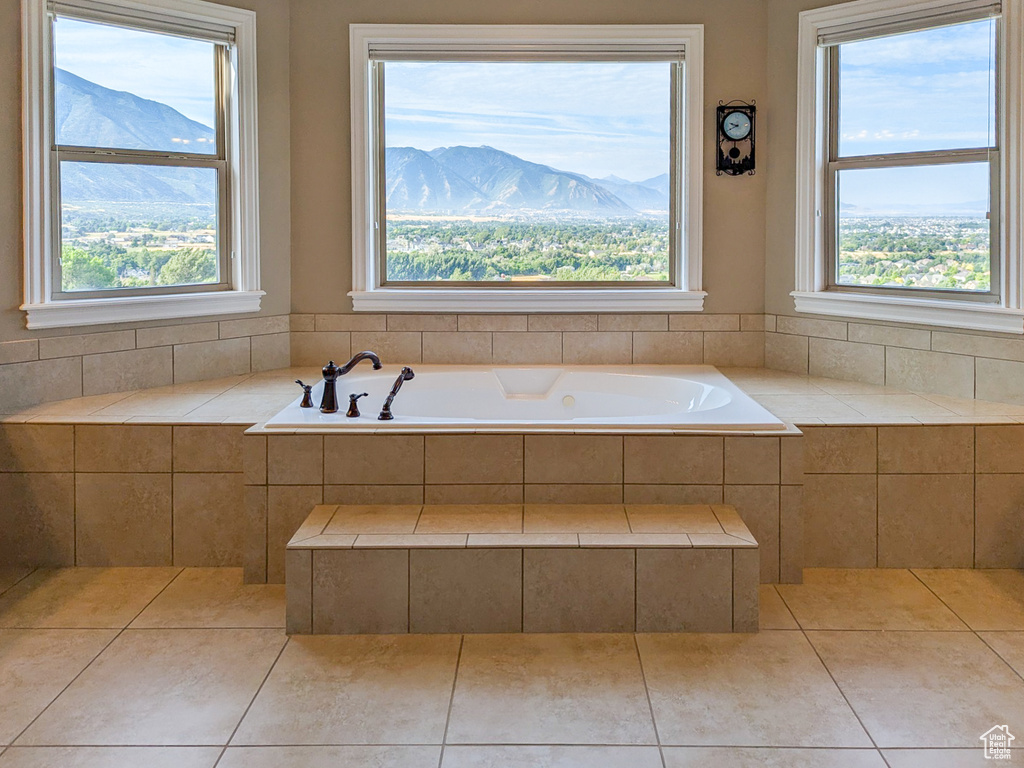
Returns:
<point x="189" y="266"/>
<point x="82" y="271"/>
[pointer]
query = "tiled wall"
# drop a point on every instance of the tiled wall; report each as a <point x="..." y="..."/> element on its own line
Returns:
<point x="899" y="496"/>
<point x="914" y="496"/>
<point x="120" y="495"/>
<point x="726" y="340"/>
<point x="33" y="371"/>
<point x="942" y="362"/>
<point x="287" y="475"/>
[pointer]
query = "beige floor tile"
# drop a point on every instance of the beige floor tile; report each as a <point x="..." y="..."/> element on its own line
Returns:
<point x="329" y="757"/>
<point x="575" y="518"/>
<point x="374" y="519"/>
<point x="214" y="597"/>
<point x="551" y="757"/>
<point x="921" y="689"/>
<point x="471" y="518"/>
<point x="110" y="757"/>
<point x="982" y="598"/>
<point x="768" y="689"/>
<point x="567" y="689"/>
<point x="161" y="687"/>
<point x="670" y="518"/>
<point x="942" y="758"/>
<point x="774" y="613"/>
<point x="355" y="690"/>
<point x="82" y="597"/>
<point x="1010" y="646"/>
<point x="731" y="757"/>
<point x="36" y="665"/>
<point x="866" y="599"/>
<point x="11" y="575"/>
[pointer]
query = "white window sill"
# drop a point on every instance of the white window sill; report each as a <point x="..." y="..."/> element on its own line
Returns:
<point x="130" y="309"/>
<point x="946" y="313"/>
<point x="528" y="300"/>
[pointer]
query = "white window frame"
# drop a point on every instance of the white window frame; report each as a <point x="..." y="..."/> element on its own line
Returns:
<point x="42" y="309"/>
<point x="369" y="295"/>
<point x="812" y="295"/>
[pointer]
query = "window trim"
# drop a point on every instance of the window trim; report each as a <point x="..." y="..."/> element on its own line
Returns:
<point x="812" y="294"/>
<point x="367" y="292"/>
<point x="43" y="309"/>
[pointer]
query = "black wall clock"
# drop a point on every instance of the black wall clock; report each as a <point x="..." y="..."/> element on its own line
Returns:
<point x="735" y="155"/>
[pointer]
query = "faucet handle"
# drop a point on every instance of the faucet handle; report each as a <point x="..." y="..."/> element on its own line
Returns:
<point x="307" y="400"/>
<point x="353" y="405"/>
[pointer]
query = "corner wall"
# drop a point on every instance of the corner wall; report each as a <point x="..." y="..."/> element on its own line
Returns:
<point x="275" y="228"/>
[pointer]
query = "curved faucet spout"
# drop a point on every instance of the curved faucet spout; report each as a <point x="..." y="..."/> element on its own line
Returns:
<point x="329" y="402"/>
<point x="358" y="358"/>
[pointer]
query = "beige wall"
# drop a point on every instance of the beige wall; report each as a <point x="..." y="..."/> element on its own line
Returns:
<point x="275" y="172"/>
<point x="321" y="221"/>
<point x="780" y="152"/>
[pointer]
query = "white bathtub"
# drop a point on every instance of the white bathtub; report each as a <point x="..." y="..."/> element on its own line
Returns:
<point x="537" y="399"/>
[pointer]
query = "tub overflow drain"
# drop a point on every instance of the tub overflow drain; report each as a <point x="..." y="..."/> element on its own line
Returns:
<point x="568" y="401"/>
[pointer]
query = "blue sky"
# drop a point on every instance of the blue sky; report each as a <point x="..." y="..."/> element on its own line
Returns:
<point x="596" y="118"/>
<point x="171" y="70"/>
<point x="920" y="91"/>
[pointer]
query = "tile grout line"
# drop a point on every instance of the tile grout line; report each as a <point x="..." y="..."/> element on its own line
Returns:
<point x="451" y="701"/>
<point x="98" y="654"/>
<point x="263" y="682"/>
<point x="913" y="572"/>
<point x="647" y="694"/>
<point x="843" y="694"/>
<point x="19" y="580"/>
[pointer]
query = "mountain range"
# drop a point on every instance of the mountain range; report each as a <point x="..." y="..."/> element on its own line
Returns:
<point x="87" y="114"/>
<point x="449" y="179"/>
<point x="488" y="180"/>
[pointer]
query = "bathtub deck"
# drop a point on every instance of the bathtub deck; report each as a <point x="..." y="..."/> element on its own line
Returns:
<point x="522" y="568"/>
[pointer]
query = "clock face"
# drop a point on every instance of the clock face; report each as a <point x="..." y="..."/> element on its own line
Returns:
<point x="736" y="125"/>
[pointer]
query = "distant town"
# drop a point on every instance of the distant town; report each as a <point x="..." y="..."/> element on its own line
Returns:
<point x="939" y="252"/>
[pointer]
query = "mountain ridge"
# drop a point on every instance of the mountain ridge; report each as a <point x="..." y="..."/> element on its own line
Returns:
<point x="485" y="179"/>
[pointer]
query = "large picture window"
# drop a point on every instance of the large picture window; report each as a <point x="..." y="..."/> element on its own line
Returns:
<point x="908" y="149"/>
<point x="139" y="148"/>
<point x="140" y="161"/>
<point x="504" y="168"/>
<point x="533" y="172"/>
<point x="913" y="162"/>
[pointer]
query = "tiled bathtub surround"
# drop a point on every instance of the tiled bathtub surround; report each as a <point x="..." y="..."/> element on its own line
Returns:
<point x="914" y="496"/>
<point x="855" y="512"/>
<point x="34" y="371"/>
<point x="938" y="361"/>
<point x="724" y="340"/>
<point x="124" y="494"/>
<point x="287" y="475"/>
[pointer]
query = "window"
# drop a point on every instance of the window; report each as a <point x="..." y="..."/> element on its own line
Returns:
<point x="903" y="165"/>
<point x="520" y="168"/>
<point x="140" y="151"/>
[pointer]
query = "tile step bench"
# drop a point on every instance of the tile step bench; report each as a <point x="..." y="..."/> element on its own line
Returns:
<point x="522" y="568"/>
